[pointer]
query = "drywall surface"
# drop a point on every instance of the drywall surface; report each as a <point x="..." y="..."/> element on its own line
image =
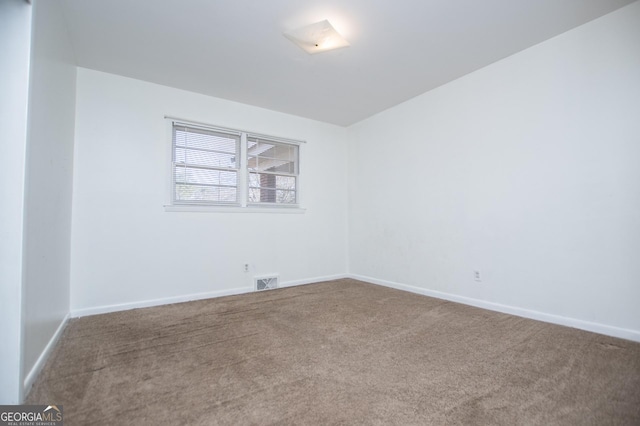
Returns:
<point x="526" y="170"/>
<point x="15" y="42"/>
<point x="126" y="249"/>
<point x="49" y="180"/>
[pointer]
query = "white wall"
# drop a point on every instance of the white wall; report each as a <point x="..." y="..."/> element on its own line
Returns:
<point x="126" y="249"/>
<point x="15" y="41"/>
<point x="47" y="226"/>
<point x="527" y="170"/>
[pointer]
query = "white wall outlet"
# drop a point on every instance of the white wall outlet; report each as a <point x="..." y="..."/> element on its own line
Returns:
<point x="476" y="276"/>
<point x="246" y="267"/>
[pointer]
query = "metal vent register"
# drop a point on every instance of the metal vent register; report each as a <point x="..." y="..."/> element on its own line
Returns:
<point x="266" y="283"/>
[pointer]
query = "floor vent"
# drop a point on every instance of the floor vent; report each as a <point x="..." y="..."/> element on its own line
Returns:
<point x="266" y="283"/>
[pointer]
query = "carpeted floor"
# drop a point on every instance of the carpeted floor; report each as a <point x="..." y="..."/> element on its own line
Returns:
<point x="341" y="352"/>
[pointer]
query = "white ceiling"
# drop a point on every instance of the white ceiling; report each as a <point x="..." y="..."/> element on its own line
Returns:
<point x="234" y="49"/>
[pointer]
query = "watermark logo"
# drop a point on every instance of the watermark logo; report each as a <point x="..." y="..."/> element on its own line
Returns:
<point x="31" y="415"/>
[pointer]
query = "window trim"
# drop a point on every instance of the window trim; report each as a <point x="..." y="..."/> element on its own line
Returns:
<point x="242" y="204"/>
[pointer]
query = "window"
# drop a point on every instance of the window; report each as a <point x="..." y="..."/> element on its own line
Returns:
<point x="273" y="171"/>
<point x="205" y="166"/>
<point x="212" y="166"/>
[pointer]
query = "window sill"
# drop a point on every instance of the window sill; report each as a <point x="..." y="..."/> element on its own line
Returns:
<point x="233" y="209"/>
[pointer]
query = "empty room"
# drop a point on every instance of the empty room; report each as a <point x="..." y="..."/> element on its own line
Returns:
<point x="321" y="212"/>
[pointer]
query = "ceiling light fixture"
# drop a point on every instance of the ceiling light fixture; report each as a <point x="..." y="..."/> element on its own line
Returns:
<point x="316" y="38"/>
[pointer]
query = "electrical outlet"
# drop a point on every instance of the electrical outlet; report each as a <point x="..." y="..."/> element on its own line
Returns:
<point x="476" y="276"/>
<point x="246" y="267"/>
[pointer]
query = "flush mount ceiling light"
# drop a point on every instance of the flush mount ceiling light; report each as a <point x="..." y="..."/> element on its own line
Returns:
<point x="316" y="38"/>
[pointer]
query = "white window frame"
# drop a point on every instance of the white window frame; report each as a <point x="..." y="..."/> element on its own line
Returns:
<point x="242" y="204"/>
<point x="295" y="175"/>
<point x="175" y="164"/>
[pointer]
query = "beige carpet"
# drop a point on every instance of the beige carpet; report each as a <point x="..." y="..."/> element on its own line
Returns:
<point x="342" y="352"/>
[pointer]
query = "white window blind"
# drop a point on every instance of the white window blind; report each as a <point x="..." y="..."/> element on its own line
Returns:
<point x="205" y="166"/>
<point x="273" y="171"/>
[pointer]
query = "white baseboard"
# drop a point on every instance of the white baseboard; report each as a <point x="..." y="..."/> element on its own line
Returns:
<point x="105" y="309"/>
<point x="77" y="313"/>
<point x="313" y="280"/>
<point x="44" y="356"/>
<point x="608" y="330"/>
